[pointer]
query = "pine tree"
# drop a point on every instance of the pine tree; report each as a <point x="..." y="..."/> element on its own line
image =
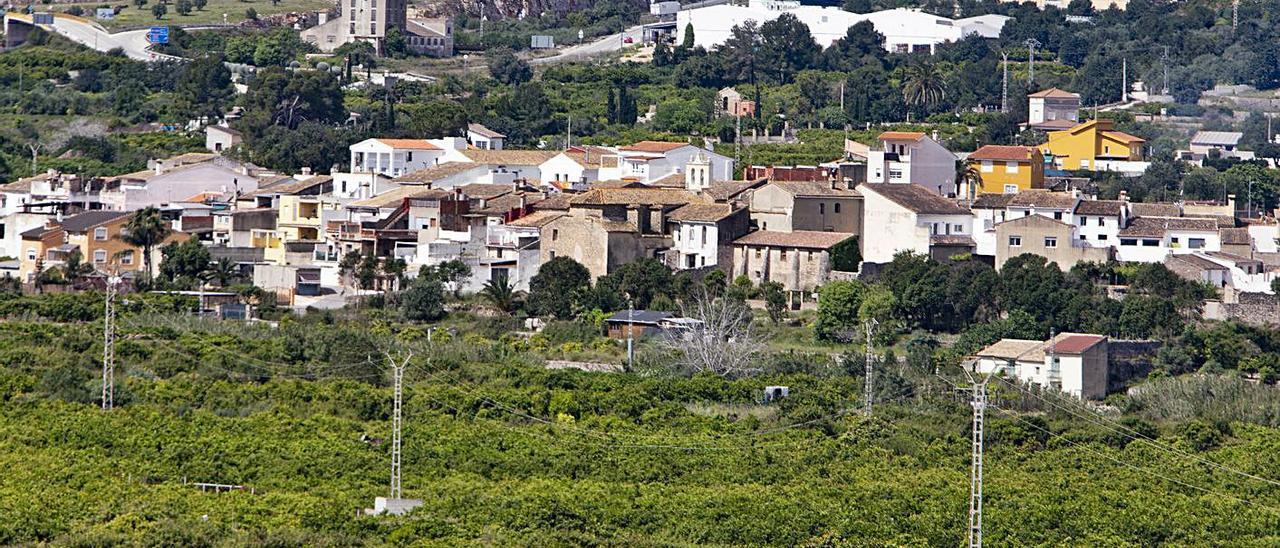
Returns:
<point x="688" y="37"/>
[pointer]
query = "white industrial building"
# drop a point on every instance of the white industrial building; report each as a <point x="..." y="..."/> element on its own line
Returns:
<point x="905" y="30"/>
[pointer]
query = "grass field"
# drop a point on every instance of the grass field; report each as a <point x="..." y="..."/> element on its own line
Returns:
<point x="212" y="14"/>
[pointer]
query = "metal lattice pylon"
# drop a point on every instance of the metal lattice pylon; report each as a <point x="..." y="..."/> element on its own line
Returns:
<point x="109" y="345"/>
<point x="398" y="373"/>
<point x="869" y="384"/>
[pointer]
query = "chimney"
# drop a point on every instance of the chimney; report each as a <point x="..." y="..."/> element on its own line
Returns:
<point x="1124" y="196"/>
<point x="323" y="18"/>
<point x="306" y="171"/>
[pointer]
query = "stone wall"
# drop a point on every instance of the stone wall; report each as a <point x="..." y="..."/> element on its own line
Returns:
<point x="1129" y="360"/>
<point x="1252" y="308"/>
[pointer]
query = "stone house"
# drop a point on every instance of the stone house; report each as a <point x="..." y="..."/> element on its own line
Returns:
<point x="606" y="228"/>
<point x="786" y="206"/>
<point x="899" y="218"/>
<point x="800" y="260"/>
<point x="1054" y="240"/>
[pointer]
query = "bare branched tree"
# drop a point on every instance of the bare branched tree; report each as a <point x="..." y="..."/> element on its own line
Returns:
<point x="721" y="339"/>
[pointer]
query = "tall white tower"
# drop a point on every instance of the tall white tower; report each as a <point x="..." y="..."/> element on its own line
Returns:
<point x="697" y="173"/>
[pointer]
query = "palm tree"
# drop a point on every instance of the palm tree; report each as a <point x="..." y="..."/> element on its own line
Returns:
<point x="500" y="293"/>
<point x="922" y="85"/>
<point x="222" y="272"/>
<point x="145" y="230"/>
<point x="75" y="267"/>
<point x="969" y="178"/>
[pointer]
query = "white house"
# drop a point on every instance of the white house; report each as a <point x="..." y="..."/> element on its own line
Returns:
<point x="1151" y="239"/>
<point x="648" y="161"/>
<point x="484" y="138"/>
<point x="912" y="157"/>
<point x="905" y="30"/>
<point x="1075" y="363"/>
<point x="577" y="167"/>
<point x="173" y="180"/>
<point x="393" y="157"/>
<point x="702" y="235"/>
<point x="1099" y="221"/>
<point x="1053" y="108"/>
<point x="1059" y="206"/>
<point x="221" y="138"/>
<point x="900" y="218"/>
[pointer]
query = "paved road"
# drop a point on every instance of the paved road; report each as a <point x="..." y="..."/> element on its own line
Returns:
<point x="133" y="42"/>
<point x="602" y="46"/>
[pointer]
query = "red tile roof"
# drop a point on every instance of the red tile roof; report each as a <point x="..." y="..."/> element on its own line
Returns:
<point x="1001" y="152"/>
<point x="659" y="147"/>
<point x="416" y="144"/>
<point x="1056" y="93"/>
<point x="901" y="136"/>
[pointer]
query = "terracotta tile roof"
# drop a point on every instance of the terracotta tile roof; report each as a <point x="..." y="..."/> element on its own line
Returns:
<point x="727" y="190"/>
<point x="1235" y="236"/>
<point x="1055" y="93"/>
<point x="1194" y="262"/>
<point x="89" y="219"/>
<point x="675" y="180"/>
<point x="656" y="147"/>
<point x="24" y="184"/>
<point x="538" y="218"/>
<point x="1044" y="199"/>
<point x="1154" y="227"/>
<point x="635" y="196"/>
<point x="510" y="157"/>
<point x="1009" y="349"/>
<point x="1124" y="137"/>
<point x="915" y="198"/>
<point x="991" y="200"/>
<point x="415" y="144"/>
<point x="1144" y="209"/>
<point x="1073" y="343"/>
<point x="1054" y="125"/>
<point x="395" y="197"/>
<point x="805" y="239"/>
<point x="554" y="202"/>
<point x="1033" y="219"/>
<point x="505" y="203"/>
<point x="708" y="213"/>
<point x="1110" y="208"/>
<point x="435" y="173"/>
<point x="618" y="183"/>
<point x="1233" y="258"/>
<point x="901" y="136"/>
<point x="482" y="131"/>
<point x="1000" y="152"/>
<point x="811" y="189"/>
<point x="486" y="191"/>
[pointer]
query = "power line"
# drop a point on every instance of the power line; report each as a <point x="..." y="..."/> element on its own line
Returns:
<point x="1135" y="467"/>
<point x="1137" y="436"/>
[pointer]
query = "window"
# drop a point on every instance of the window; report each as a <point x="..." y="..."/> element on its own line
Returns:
<point x="408" y="156"/>
<point x="808" y="256"/>
<point x="895" y="173"/>
<point x="822" y="209"/>
<point x="373" y="28"/>
<point x="757" y="253"/>
<point x="782" y="254"/>
<point x="1106" y="149"/>
<point x="704" y="235"/>
<point x="1057" y="215"/>
<point x="1" y="230"/>
<point x="1102" y="236"/>
<point x="100" y="256"/>
<point x="551" y="254"/>
<point x="1050" y="242"/>
<point x="1150" y="243"/>
<point x="100" y="233"/>
<point x="126" y="258"/>
<point x="957" y="229"/>
<point x="31" y="254"/>
<point x="352" y="30"/>
<point x="1011" y="167"/>
<point x="1010" y="189"/>
<point x="988" y="166"/>
<point x="1084" y="221"/>
<point x="1195" y="243"/>
<point x="1015" y="241"/>
<point x="703" y="260"/>
<point x="1128" y="241"/>
<point x="837" y="205"/>
<point x="555" y="234"/>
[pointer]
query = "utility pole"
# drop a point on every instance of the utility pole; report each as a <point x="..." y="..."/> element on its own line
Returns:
<point x="398" y="372"/>
<point x="871" y="356"/>
<point x="631" y="333"/>
<point x="1032" y="44"/>
<point x="737" y="140"/>
<point x="1124" y="81"/>
<point x="1235" y="14"/>
<point x="1004" y="84"/>
<point x="109" y="345"/>
<point x="568" y="140"/>
<point x="1164" y="59"/>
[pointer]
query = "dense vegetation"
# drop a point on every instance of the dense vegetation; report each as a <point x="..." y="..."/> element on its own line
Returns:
<point x="505" y="452"/>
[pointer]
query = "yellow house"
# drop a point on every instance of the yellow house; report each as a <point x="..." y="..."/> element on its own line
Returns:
<point x="1084" y="145"/>
<point x="1006" y="170"/>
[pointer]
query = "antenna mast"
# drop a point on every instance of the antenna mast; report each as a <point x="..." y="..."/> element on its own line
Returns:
<point x="109" y="345"/>
<point x="1004" y="84"/>
<point x="871" y="356"/>
<point x="398" y="372"/>
<point x="1032" y="44"/>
